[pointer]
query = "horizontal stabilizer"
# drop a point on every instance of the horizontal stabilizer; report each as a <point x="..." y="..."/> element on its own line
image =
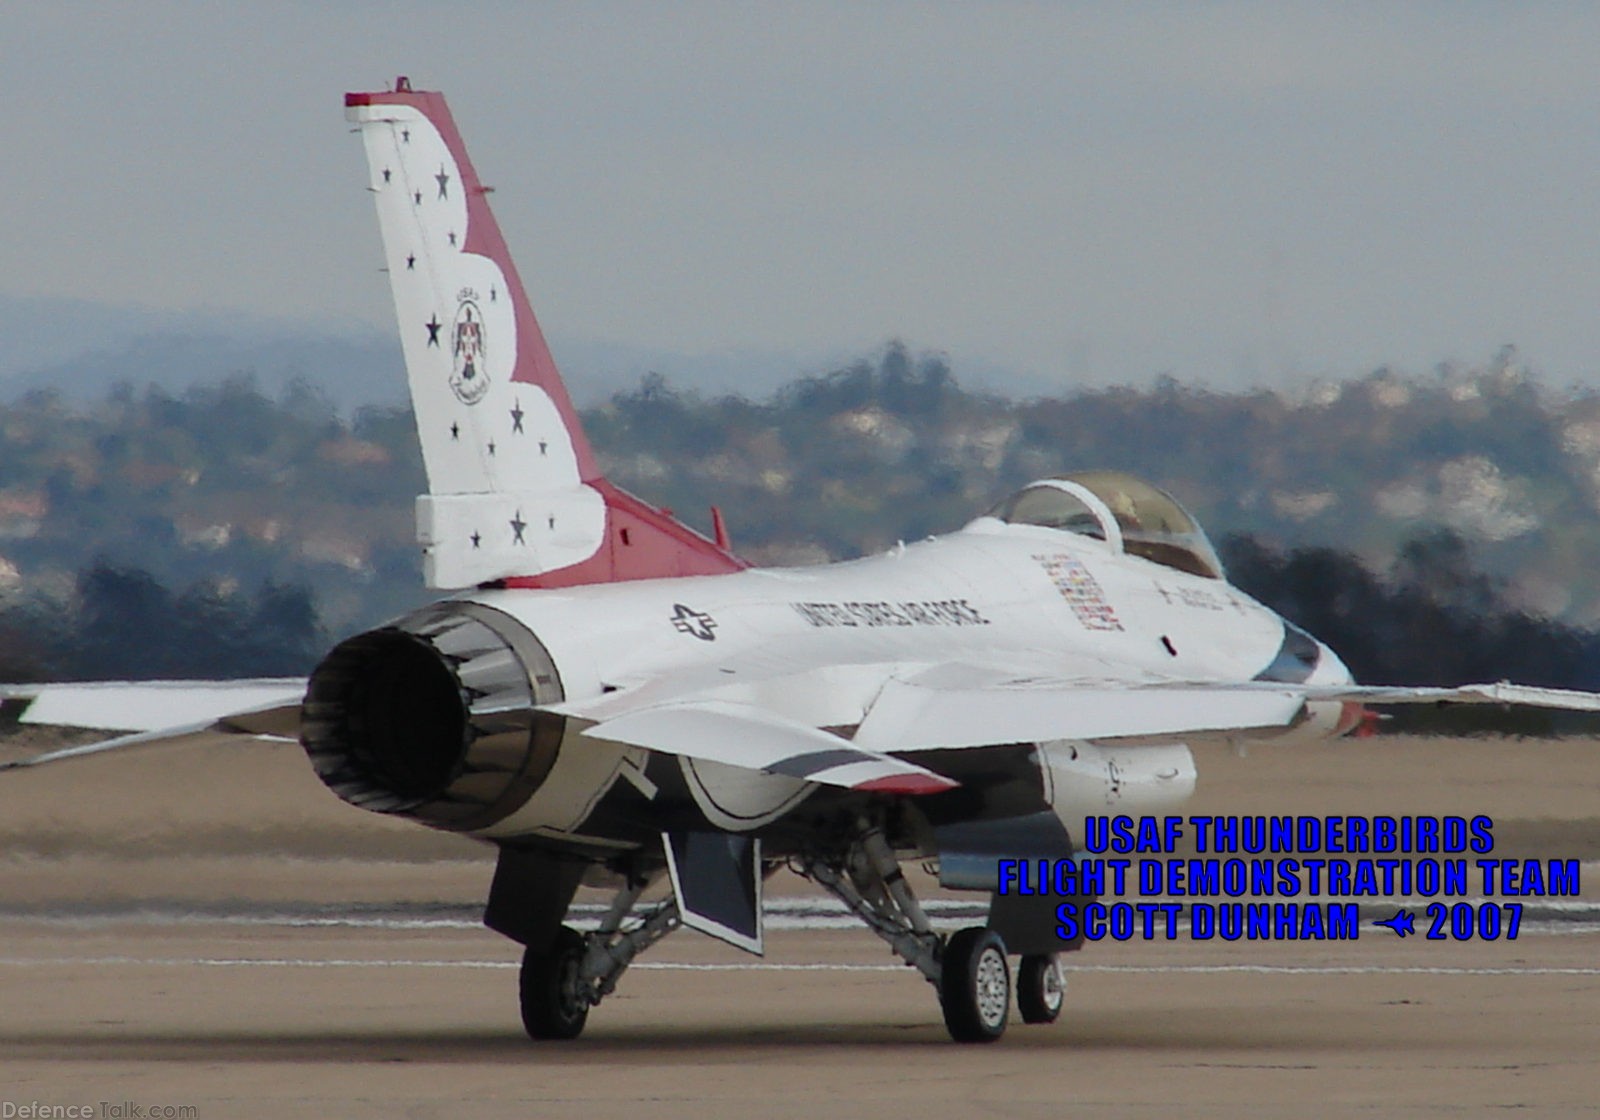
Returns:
<point x="740" y="735"/>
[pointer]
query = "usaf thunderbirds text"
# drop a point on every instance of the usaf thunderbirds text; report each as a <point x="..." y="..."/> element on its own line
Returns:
<point x="1319" y="862"/>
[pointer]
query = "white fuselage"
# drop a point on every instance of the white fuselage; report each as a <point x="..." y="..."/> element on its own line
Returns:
<point x="981" y="594"/>
<point x="818" y="644"/>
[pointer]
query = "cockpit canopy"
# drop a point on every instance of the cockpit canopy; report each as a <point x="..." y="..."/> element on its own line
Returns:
<point x="1120" y="509"/>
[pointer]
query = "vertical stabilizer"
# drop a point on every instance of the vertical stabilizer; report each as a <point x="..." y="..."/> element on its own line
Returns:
<point x="513" y="489"/>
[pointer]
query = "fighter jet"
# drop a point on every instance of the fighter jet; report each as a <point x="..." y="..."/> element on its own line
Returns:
<point x="613" y="699"/>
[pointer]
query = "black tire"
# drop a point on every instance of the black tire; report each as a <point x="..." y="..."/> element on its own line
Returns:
<point x="975" y="985"/>
<point x="1041" y="989"/>
<point x="548" y="986"/>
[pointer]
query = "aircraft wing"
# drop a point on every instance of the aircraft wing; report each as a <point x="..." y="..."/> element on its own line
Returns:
<point x="954" y="706"/>
<point x="907" y="708"/>
<point x="1500" y="692"/>
<point x="917" y="715"/>
<point x="157" y="712"/>
<point x="707" y="730"/>
<point x="912" y="716"/>
<point x="146" y="705"/>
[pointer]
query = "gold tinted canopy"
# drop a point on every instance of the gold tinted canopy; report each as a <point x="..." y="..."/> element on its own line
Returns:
<point x="1150" y="521"/>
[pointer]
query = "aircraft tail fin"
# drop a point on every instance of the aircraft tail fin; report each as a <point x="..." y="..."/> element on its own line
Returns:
<point x="514" y="491"/>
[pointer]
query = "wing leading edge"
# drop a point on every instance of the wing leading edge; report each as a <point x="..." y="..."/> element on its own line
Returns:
<point x="954" y="706"/>
<point x="909" y="715"/>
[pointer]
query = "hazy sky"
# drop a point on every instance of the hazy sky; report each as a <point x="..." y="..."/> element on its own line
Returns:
<point x="1226" y="192"/>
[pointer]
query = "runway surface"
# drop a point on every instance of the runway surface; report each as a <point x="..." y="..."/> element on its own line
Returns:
<point x="213" y="932"/>
<point x="271" y="1021"/>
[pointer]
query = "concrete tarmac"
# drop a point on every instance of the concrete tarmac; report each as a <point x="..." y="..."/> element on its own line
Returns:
<point x="156" y="957"/>
<point x="270" y="1021"/>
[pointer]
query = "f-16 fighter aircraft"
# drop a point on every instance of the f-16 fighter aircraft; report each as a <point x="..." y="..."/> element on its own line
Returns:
<point x="611" y="698"/>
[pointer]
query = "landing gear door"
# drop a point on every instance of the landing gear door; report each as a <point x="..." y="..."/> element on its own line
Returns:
<point x="970" y="853"/>
<point x="717" y="879"/>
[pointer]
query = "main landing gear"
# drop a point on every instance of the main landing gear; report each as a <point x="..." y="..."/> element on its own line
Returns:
<point x="559" y="985"/>
<point x="975" y="985"/>
<point x="1041" y="988"/>
<point x="968" y="969"/>
<point x="564" y="979"/>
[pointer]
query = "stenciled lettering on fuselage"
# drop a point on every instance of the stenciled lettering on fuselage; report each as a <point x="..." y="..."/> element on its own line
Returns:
<point x="1199" y="599"/>
<point x="942" y="612"/>
<point x="1080" y="589"/>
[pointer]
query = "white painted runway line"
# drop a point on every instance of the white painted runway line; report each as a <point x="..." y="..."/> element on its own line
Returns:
<point x="763" y="966"/>
<point x="1541" y="915"/>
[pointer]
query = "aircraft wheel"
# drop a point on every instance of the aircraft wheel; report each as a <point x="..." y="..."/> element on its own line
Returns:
<point x="552" y="1003"/>
<point x="1041" y="988"/>
<point x="975" y="985"/>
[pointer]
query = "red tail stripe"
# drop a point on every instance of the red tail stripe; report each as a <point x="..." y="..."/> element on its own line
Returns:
<point x="642" y="542"/>
<point x="534" y="365"/>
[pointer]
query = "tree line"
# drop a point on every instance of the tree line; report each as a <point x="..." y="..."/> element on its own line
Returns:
<point x="1433" y="618"/>
<point x="121" y="623"/>
<point x="220" y="532"/>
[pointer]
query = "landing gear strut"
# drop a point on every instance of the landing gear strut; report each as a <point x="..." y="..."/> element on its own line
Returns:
<point x="560" y="985"/>
<point x="968" y="969"/>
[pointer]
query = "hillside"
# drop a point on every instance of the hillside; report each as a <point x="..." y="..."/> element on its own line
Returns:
<point x="895" y="449"/>
<point x="230" y="496"/>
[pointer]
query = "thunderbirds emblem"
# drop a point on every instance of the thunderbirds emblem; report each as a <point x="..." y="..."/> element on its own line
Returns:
<point x="469" y="373"/>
